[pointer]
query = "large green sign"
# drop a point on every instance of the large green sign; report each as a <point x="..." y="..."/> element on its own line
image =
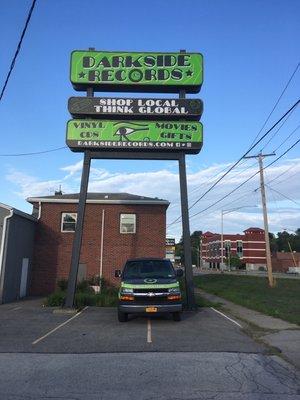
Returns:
<point x="92" y="134"/>
<point x="150" y="72"/>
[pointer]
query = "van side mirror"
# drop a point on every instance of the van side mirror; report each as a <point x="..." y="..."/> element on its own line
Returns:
<point x="118" y="273"/>
<point x="179" y="272"/>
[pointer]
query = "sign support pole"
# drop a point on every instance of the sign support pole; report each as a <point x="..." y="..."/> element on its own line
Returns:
<point x="72" y="281"/>
<point x="78" y="231"/>
<point x="189" y="284"/>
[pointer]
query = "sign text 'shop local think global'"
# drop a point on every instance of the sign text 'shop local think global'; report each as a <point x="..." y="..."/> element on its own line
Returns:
<point x="148" y="72"/>
<point x="135" y="108"/>
<point x="85" y="134"/>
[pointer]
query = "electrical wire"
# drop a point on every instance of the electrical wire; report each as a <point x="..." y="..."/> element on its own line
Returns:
<point x="240" y="185"/>
<point x="278" y="100"/>
<point x="275" y="133"/>
<point x="264" y="124"/>
<point x="247" y="152"/>
<point x="33" y="153"/>
<point x="241" y="158"/>
<point x="283" y="173"/>
<point x="17" y="50"/>
<point x="277" y="148"/>
<point x="283" y="195"/>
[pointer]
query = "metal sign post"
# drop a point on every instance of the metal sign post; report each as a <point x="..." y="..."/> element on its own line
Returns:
<point x="76" y="247"/>
<point x="78" y="230"/>
<point x="187" y="251"/>
<point x="189" y="285"/>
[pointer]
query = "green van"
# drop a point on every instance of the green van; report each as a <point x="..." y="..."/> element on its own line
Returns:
<point x="149" y="285"/>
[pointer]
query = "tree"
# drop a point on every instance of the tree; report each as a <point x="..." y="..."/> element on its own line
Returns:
<point x="195" y="247"/>
<point x="273" y="243"/>
<point x="283" y="240"/>
<point x="234" y="261"/>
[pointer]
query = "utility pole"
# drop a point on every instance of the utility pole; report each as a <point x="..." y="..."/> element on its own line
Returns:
<point x="260" y="158"/>
<point x="292" y="254"/>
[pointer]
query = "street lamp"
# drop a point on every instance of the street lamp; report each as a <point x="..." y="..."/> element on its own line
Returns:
<point x="223" y="212"/>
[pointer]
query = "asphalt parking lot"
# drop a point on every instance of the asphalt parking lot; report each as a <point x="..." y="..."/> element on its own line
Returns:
<point x="90" y="355"/>
<point x="28" y="327"/>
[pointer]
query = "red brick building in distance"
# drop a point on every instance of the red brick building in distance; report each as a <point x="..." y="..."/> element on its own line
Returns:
<point x="250" y="247"/>
<point x="133" y="226"/>
<point x="284" y="262"/>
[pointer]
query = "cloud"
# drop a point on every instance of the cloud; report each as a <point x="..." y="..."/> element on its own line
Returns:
<point x="164" y="183"/>
<point x="30" y="186"/>
<point x="72" y="169"/>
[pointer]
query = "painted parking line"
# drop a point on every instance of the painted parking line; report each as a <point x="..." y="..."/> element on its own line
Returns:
<point x="59" y="326"/>
<point x="149" y="333"/>
<point x="225" y="316"/>
<point x="15" y="309"/>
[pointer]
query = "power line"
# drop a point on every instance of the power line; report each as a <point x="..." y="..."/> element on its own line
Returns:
<point x="17" y="50"/>
<point x="287" y="138"/>
<point x="33" y="153"/>
<point x="241" y="158"/>
<point x="242" y="184"/>
<point x="283" y="173"/>
<point x="278" y="100"/>
<point x="267" y="119"/>
<point x="283" y="195"/>
<point x="275" y="133"/>
<point x="284" y="180"/>
<point x="247" y="152"/>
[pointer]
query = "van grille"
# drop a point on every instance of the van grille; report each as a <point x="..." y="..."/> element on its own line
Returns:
<point x="150" y="290"/>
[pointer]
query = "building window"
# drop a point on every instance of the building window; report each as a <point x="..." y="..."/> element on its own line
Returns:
<point x="239" y="248"/>
<point x="127" y="223"/>
<point x="68" y="222"/>
<point x="227" y="246"/>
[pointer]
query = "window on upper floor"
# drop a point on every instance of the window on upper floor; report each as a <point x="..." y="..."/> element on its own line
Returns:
<point x="68" y="222"/>
<point x="127" y="223"/>
<point x="227" y="247"/>
<point x="239" y="248"/>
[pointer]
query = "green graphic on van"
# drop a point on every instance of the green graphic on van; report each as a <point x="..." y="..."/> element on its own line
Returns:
<point x="134" y="135"/>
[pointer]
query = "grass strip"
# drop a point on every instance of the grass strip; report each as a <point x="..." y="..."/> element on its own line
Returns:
<point x="282" y="301"/>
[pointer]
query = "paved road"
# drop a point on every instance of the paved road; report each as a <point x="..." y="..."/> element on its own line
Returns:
<point x="141" y="376"/>
<point x="92" y="356"/>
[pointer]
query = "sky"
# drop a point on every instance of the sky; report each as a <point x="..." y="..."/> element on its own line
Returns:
<point x="250" y="50"/>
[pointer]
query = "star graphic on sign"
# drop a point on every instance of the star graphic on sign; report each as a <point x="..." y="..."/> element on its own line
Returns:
<point x="189" y="73"/>
<point x="81" y="75"/>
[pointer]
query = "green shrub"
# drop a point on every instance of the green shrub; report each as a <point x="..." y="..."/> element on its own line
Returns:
<point x="62" y="284"/>
<point x="55" y="299"/>
<point x="85" y="295"/>
<point x="84" y="299"/>
<point x="94" y="280"/>
<point x="84" y="287"/>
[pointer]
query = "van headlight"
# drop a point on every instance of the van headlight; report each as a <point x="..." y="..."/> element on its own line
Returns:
<point x="174" y="290"/>
<point x="126" y="290"/>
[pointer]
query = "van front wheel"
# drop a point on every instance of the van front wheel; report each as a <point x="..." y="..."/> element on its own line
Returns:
<point x="176" y="316"/>
<point x="122" y="317"/>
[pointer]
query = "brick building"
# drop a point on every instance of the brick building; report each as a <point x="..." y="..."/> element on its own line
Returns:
<point x="250" y="247"/>
<point x="133" y="226"/>
<point x="284" y="262"/>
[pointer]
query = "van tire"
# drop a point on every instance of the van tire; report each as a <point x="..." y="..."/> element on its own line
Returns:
<point x="176" y="316"/>
<point x="122" y="317"/>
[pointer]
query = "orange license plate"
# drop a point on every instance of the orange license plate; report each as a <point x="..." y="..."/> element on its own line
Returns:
<point x="151" y="309"/>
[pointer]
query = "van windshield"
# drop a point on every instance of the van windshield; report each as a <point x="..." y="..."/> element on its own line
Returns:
<point x="152" y="269"/>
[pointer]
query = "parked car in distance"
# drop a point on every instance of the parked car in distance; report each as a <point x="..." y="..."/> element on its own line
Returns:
<point x="149" y="285"/>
